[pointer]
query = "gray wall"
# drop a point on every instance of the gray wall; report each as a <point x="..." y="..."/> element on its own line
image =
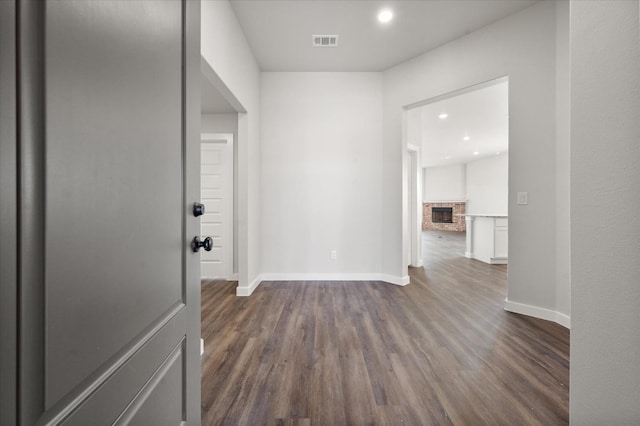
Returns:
<point x="605" y="201"/>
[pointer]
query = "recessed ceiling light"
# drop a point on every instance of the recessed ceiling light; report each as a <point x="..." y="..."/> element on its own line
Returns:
<point x="476" y="153"/>
<point x="466" y="138"/>
<point x="443" y="116"/>
<point x="448" y="157"/>
<point x="385" y="15"/>
<point x="498" y="153"/>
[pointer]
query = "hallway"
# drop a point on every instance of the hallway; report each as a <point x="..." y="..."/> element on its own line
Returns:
<point x="439" y="351"/>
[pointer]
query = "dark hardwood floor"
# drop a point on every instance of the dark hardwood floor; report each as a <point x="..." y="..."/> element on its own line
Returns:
<point x="439" y="351"/>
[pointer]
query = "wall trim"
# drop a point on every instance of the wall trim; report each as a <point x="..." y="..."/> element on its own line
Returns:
<point x="563" y="319"/>
<point x="402" y="281"/>
<point x="390" y="279"/>
<point x="246" y="291"/>
<point x="538" y="312"/>
<point x="233" y="277"/>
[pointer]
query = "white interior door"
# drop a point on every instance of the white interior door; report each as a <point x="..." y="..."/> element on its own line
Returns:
<point x="216" y="193"/>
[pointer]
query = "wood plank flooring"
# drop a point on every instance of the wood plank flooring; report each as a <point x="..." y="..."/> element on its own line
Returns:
<point x="439" y="351"/>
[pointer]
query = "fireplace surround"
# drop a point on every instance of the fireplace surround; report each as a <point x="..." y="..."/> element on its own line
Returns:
<point x="436" y="216"/>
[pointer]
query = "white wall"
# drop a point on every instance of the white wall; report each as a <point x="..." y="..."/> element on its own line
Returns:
<point x="227" y="52"/>
<point x="321" y="173"/>
<point x="446" y="183"/>
<point x="522" y="47"/>
<point x="414" y="127"/>
<point x="605" y="201"/>
<point x="227" y="123"/>
<point x="488" y="185"/>
<point x="219" y="123"/>
<point x="563" y="169"/>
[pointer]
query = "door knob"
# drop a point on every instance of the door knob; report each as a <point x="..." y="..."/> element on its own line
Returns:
<point x="196" y="243"/>
<point x="198" y="209"/>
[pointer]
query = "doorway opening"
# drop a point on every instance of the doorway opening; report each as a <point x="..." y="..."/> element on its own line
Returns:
<point x="219" y="177"/>
<point x="463" y="139"/>
<point x="223" y="128"/>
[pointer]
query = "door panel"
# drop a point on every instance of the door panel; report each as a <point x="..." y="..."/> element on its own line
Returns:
<point x="214" y="161"/>
<point x="8" y="213"/>
<point x="211" y="193"/>
<point x="212" y="182"/>
<point x="109" y="116"/>
<point x="114" y="180"/>
<point x="162" y="398"/>
<point x="108" y="401"/>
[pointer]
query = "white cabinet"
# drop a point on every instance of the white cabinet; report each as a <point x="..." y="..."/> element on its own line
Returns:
<point x="500" y="240"/>
<point x="487" y="238"/>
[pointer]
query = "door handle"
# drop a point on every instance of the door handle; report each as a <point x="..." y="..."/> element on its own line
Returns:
<point x="198" y="209"/>
<point x="196" y="243"/>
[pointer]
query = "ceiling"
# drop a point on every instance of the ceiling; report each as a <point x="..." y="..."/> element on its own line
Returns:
<point x="482" y="115"/>
<point x="280" y="31"/>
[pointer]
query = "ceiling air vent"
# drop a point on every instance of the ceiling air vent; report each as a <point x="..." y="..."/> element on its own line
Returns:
<point x="325" y="40"/>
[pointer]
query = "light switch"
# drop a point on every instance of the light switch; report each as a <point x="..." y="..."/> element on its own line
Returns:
<point x="523" y="198"/>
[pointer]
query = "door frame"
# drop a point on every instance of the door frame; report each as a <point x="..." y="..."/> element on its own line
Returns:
<point x="227" y="140"/>
<point x="414" y="205"/>
<point x="408" y="165"/>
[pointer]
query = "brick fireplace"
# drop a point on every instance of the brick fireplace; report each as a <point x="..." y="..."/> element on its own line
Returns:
<point x="436" y="217"/>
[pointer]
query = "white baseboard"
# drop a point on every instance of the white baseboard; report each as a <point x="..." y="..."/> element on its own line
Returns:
<point x="391" y="279"/>
<point x="233" y="277"/>
<point x="538" y="312"/>
<point x="490" y="261"/>
<point x="563" y="320"/>
<point x="336" y="277"/>
<point x="246" y="291"/>
<point x="317" y="277"/>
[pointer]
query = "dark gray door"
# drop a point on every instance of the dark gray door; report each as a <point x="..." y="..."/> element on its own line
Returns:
<point x="103" y="288"/>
